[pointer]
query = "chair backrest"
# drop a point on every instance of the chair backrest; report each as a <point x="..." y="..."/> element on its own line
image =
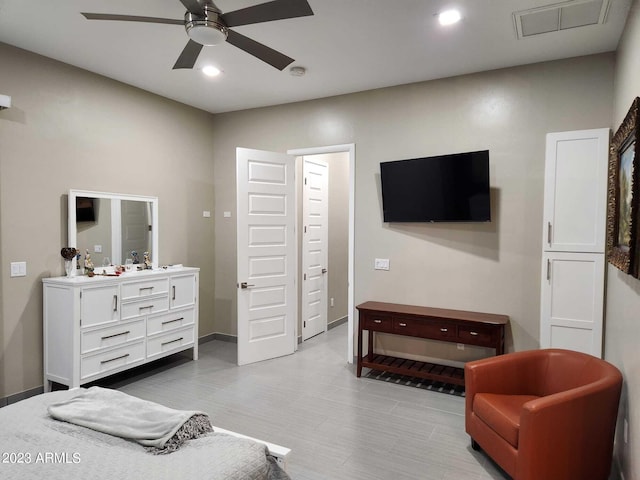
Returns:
<point x="562" y="370"/>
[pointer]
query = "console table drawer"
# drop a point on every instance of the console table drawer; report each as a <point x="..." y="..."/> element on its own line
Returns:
<point x="378" y="323"/>
<point x="417" y="328"/>
<point x="475" y="336"/>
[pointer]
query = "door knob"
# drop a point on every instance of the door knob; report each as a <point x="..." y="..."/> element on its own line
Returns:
<point x="246" y="285"/>
<point x="324" y="270"/>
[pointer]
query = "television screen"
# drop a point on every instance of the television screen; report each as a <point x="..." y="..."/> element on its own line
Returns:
<point x="446" y="188"/>
<point x="85" y="209"/>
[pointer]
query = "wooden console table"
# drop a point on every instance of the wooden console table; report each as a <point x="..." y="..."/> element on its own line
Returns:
<point x="456" y="326"/>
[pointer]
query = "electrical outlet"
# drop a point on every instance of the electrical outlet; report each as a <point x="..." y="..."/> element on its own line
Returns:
<point x="206" y="214"/>
<point x="460" y="346"/>
<point x="381" y="264"/>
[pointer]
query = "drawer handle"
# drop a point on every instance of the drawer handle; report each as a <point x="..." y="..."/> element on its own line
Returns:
<point x="174" y="292"/>
<point x="377" y="321"/>
<point x="473" y="333"/>
<point x="115" y="303"/>
<point x="148" y="306"/>
<point x="402" y="324"/>
<point x="171" y="321"/>
<point x="116" y="335"/>
<point x="114" y="359"/>
<point x="172" y="341"/>
<point x="443" y="330"/>
<point x="146" y="288"/>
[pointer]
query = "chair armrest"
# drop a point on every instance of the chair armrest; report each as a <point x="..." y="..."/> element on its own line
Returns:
<point x="563" y="429"/>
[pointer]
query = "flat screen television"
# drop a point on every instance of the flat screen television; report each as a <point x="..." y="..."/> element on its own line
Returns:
<point x="85" y="209"/>
<point x="445" y="188"/>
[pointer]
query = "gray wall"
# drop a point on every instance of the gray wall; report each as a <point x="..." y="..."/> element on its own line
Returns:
<point x="484" y="267"/>
<point x="623" y="291"/>
<point x="69" y="128"/>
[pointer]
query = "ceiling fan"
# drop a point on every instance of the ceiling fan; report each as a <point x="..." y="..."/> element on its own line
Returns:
<point x="207" y="25"/>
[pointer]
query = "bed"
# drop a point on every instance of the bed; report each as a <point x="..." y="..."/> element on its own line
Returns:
<point x="34" y="446"/>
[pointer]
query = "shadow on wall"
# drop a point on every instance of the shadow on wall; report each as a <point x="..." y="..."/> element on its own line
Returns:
<point x="480" y="239"/>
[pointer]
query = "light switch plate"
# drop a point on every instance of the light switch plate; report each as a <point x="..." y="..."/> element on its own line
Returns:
<point x="226" y="214"/>
<point x="18" y="269"/>
<point x="97" y="249"/>
<point x="381" y="264"/>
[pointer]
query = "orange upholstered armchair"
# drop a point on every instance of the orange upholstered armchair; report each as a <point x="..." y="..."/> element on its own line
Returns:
<point x="544" y="414"/>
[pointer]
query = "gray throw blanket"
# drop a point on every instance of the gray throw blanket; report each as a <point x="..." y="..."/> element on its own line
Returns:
<point x="159" y="428"/>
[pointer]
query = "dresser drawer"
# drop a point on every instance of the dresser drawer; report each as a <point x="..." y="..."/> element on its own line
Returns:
<point x="170" y="321"/>
<point x="476" y="336"/>
<point x="93" y="340"/>
<point x="168" y="342"/>
<point x="145" y="306"/>
<point x="144" y="288"/>
<point x="379" y="323"/>
<point x="115" y="359"/>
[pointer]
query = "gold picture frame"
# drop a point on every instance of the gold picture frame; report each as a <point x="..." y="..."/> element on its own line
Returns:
<point x="622" y="194"/>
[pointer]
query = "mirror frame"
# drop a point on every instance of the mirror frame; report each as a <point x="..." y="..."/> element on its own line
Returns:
<point x="72" y="237"/>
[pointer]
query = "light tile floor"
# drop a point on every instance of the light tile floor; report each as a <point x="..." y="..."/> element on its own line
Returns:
<point x="337" y="425"/>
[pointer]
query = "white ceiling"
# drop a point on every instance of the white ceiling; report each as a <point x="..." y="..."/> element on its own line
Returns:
<point x="346" y="46"/>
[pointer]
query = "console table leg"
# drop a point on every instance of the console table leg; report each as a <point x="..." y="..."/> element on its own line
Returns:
<point x="359" y="359"/>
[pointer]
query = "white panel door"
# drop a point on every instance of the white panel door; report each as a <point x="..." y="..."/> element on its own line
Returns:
<point x="572" y="301"/>
<point x="315" y="238"/>
<point x="266" y="264"/>
<point x="575" y="191"/>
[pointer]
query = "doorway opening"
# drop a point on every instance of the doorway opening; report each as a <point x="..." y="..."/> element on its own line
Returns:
<point x="337" y="280"/>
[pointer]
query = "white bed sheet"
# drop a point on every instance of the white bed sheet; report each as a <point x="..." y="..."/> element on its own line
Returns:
<point x="35" y="446"/>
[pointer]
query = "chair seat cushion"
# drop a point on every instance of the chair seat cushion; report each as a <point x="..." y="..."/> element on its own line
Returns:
<point x="501" y="413"/>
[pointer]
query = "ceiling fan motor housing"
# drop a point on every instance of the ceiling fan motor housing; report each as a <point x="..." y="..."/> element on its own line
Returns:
<point x="206" y="30"/>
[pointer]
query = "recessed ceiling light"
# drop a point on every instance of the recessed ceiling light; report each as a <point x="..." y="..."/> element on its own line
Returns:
<point x="211" y="71"/>
<point x="449" y="17"/>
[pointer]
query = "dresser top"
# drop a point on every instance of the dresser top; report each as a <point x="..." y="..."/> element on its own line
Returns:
<point x="442" y="313"/>
<point x="134" y="275"/>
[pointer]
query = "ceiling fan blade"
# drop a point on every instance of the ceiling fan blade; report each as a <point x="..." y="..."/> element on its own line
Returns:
<point x="193" y="6"/>
<point x="131" y="18"/>
<point x="189" y="55"/>
<point x="268" y="12"/>
<point x="258" y="50"/>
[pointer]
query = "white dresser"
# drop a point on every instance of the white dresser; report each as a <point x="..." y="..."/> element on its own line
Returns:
<point x="95" y="327"/>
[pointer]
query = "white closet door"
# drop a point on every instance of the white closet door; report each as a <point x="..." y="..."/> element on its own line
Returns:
<point x="572" y="301"/>
<point x="575" y="193"/>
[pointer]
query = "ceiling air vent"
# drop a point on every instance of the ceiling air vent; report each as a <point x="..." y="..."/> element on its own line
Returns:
<point x="560" y="16"/>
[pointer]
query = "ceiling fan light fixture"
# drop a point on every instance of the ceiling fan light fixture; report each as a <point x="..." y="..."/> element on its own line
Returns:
<point x="208" y="30"/>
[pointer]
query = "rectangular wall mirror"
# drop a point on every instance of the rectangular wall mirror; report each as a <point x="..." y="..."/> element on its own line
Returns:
<point x="112" y="225"/>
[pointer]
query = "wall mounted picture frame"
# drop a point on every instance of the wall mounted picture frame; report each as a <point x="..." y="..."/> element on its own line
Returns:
<point x="622" y="194"/>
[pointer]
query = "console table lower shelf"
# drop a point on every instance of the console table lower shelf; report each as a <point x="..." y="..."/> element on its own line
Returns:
<point x="414" y="368"/>
<point x="457" y="326"/>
